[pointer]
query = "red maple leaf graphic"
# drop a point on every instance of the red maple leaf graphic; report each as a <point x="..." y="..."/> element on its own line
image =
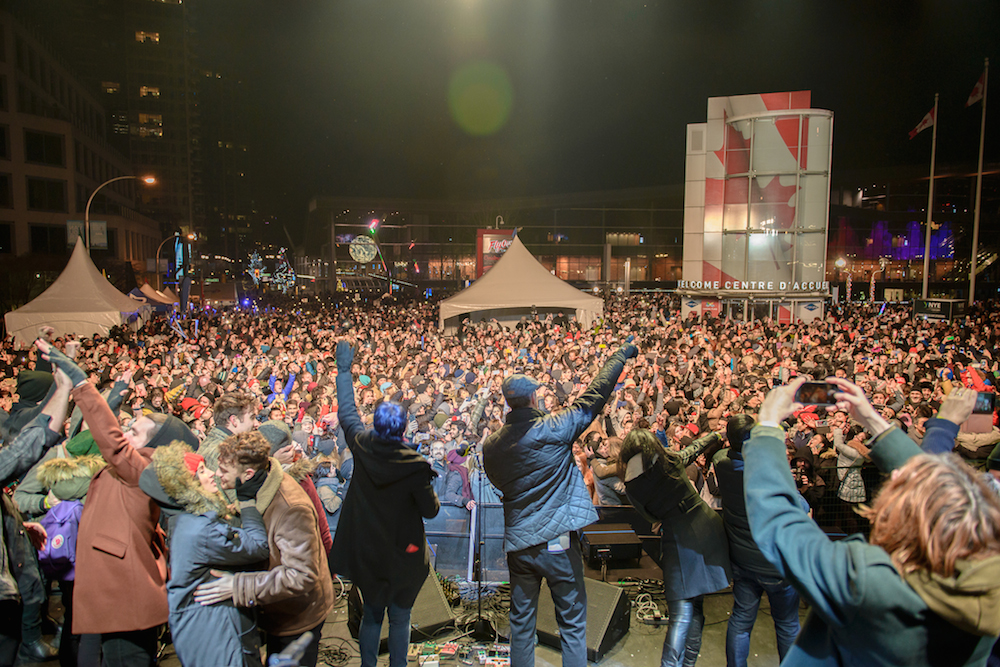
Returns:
<point x="773" y="202"/>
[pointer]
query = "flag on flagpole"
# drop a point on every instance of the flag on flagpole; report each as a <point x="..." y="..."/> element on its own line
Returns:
<point x="924" y="124"/>
<point x="977" y="92"/>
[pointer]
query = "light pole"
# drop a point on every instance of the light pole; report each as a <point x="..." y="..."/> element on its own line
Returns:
<point x="148" y="180"/>
<point x="157" y="265"/>
<point x="373" y="229"/>
<point x="840" y="264"/>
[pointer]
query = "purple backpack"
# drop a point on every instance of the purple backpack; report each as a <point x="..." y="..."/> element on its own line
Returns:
<point x="58" y="558"/>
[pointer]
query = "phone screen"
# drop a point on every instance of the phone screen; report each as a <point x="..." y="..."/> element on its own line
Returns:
<point x="816" y="393"/>
<point x="985" y="403"/>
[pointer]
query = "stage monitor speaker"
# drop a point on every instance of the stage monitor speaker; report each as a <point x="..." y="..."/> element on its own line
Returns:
<point x="608" y="614"/>
<point x="430" y="613"/>
<point x="610" y="541"/>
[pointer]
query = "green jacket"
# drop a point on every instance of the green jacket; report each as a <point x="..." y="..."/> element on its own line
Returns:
<point x="863" y="612"/>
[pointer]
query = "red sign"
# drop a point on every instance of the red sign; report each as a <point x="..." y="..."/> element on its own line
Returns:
<point x="491" y="244"/>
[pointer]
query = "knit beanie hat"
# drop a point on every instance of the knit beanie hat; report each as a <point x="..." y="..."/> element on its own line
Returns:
<point x="32" y="386"/>
<point x="173" y="429"/>
<point x="192" y="461"/>
<point x="277" y="433"/>
<point x="82" y="444"/>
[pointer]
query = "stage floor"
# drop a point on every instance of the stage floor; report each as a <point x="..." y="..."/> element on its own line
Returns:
<point x="641" y="647"/>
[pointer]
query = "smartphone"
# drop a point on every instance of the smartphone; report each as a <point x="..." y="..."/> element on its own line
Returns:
<point x="985" y="403"/>
<point x="817" y="393"/>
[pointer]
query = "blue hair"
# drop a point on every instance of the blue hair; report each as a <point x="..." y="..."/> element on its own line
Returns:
<point x="390" y="420"/>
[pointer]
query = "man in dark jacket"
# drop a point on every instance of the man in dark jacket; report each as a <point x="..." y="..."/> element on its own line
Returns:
<point x="752" y="574"/>
<point x="380" y="542"/>
<point x="530" y="460"/>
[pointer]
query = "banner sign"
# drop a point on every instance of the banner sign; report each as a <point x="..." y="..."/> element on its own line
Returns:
<point x="754" y="285"/>
<point x="491" y="244"/>
<point x="939" y="309"/>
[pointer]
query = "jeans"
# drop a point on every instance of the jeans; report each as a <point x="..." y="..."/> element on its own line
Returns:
<point x="683" y="641"/>
<point x="748" y="588"/>
<point x="370" y="634"/>
<point x="563" y="572"/>
<point x="276" y="644"/>
<point x="129" y="649"/>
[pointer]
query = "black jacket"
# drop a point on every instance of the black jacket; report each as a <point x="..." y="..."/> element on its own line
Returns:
<point x="380" y="542"/>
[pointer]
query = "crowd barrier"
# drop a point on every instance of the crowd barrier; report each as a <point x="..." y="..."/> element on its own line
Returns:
<point x="452" y="533"/>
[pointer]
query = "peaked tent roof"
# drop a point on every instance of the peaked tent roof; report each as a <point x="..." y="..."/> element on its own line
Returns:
<point x="171" y="297"/>
<point x="81" y="301"/>
<point x="153" y="295"/>
<point x="518" y="280"/>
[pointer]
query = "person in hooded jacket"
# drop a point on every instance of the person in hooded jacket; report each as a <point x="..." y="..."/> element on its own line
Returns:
<point x="380" y="543"/>
<point x="121" y="569"/>
<point x="923" y="590"/>
<point x="65" y="478"/>
<point x="203" y="537"/>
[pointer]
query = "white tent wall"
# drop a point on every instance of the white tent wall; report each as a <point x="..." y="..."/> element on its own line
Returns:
<point x="81" y="301"/>
<point x="518" y="280"/>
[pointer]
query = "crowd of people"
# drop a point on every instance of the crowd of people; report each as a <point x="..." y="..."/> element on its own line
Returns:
<point x="210" y="462"/>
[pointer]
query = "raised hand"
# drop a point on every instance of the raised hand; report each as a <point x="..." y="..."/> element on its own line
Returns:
<point x="345" y="356"/>
<point x="62" y="362"/>
<point x="958" y="405"/>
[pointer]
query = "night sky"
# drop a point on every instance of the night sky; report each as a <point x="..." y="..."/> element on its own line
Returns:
<point x="351" y="97"/>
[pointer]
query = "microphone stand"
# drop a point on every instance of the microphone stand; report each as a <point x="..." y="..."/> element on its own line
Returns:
<point x="482" y="629"/>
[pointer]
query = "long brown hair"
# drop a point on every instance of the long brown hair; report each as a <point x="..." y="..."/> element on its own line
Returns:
<point x="642" y="441"/>
<point x="933" y="511"/>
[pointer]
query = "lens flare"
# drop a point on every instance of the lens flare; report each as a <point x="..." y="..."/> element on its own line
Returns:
<point x="480" y="98"/>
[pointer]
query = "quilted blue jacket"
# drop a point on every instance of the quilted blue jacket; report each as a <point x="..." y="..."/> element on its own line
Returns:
<point x="530" y="460"/>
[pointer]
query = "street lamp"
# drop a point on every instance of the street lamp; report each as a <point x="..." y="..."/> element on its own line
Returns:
<point x="157" y="265"/>
<point x="148" y="180"/>
<point x="840" y="264"/>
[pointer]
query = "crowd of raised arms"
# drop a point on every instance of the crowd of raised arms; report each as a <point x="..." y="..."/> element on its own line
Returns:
<point x="209" y="400"/>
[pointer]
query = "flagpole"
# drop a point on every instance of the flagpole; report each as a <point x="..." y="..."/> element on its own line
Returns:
<point x="930" y="205"/>
<point x="979" y="191"/>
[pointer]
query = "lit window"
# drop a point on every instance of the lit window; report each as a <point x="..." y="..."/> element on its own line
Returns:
<point x="143" y="36"/>
<point x="149" y="91"/>
<point x="110" y="86"/>
<point x="150" y="125"/>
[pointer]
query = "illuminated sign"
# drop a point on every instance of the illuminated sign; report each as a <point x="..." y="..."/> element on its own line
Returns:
<point x="754" y="285"/>
<point x="491" y="244"/>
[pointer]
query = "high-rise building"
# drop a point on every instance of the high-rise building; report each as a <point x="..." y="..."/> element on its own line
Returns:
<point x="54" y="155"/>
<point x="229" y="210"/>
<point x="139" y="58"/>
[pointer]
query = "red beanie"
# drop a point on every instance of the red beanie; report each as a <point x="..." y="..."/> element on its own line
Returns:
<point x="192" y="461"/>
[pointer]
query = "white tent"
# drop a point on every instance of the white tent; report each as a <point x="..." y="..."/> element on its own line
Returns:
<point x="519" y="281"/>
<point x="171" y="297"/>
<point x="81" y="301"/>
<point x="154" y="296"/>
